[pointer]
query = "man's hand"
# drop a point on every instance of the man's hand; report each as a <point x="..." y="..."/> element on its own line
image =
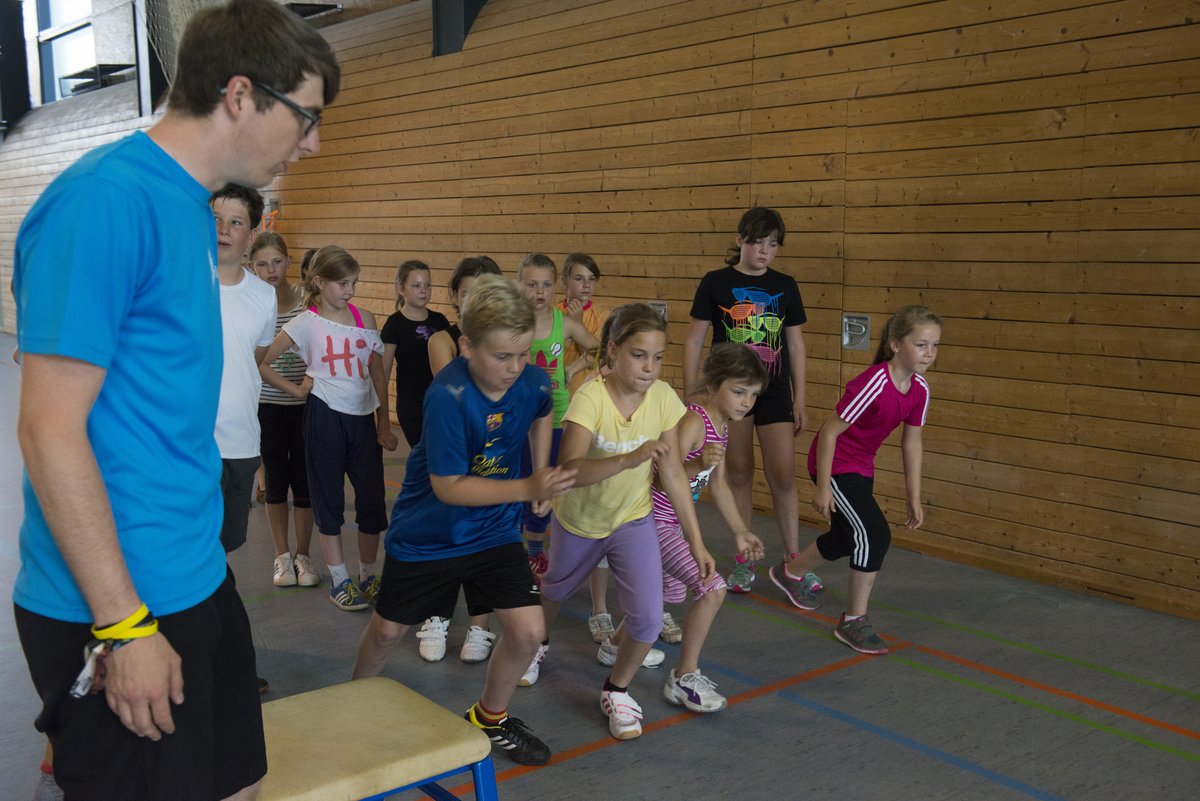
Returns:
<point x="140" y="681"/>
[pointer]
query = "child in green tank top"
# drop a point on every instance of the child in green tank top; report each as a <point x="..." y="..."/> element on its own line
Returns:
<point x="537" y="276"/>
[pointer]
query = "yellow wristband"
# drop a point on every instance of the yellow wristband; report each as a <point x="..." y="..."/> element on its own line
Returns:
<point x="145" y="630"/>
<point x="134" y="623"/>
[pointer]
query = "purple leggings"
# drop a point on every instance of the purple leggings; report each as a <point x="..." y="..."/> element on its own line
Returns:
<point x="636" y="564"/>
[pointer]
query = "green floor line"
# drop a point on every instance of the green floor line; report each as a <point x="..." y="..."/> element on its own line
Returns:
<point x="1129" y="677"/>
<point x="789" y="622"/>
<point x="1071" y="716"/>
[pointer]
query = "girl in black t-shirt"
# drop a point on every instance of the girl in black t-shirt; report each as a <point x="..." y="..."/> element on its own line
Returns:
<point x="749" y="303"/>
<point x="405" y="338"/>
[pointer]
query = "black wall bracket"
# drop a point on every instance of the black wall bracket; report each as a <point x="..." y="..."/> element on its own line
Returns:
<point x="452" y="20"/>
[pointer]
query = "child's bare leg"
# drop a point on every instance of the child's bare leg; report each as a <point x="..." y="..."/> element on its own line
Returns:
<point x="277" y="521"/>
<point x="630" y="655"/>
<point x="858" y="592"/>
<point x="484" y="622"/>
<point x="550" y="609"/>
<point x="739" y="466"/>
<point x="368" y="547"/>
<point x="808" y="559"/>
<point x="377" y="641"/>
<point x="524" y="630"/>
<point x="778" y="448"/>
<point x="696" y="624"/>
<point x="302" y="519"/>
<point x="598" y="584"/>
<point x="331" y="549"/>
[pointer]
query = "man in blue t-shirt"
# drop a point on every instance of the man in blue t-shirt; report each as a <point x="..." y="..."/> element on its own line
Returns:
<point x="117" y="307"/>
<point x="457" y="522"/>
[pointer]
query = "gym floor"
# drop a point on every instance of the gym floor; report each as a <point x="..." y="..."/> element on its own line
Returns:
<point x="995" y="688"/>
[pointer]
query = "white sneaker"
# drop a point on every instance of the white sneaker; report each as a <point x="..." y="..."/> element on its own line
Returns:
<point x="478" y="645"/>
<point x="624" y="714"/>
<point x="306" y="574"/>
<point x="601" y="626"/>
<point x="535" y="667"/>
<point x="285" y="571"/>
<point x="694" y="691"/>
<point x="670" y="631"/>
<point x="433" y="639"/>
<point x="607" y="655"/>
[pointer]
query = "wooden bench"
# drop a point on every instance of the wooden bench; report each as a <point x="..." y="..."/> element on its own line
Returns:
<point x="367" y="739"/>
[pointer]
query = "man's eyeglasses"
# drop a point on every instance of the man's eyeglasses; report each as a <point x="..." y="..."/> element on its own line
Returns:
<point x="313" y="118"/>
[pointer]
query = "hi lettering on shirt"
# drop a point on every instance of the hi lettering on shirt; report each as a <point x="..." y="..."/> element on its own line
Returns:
<point x="347" y="355"/>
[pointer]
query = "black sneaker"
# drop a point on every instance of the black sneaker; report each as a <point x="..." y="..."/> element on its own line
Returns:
<point x="512" y="738"/>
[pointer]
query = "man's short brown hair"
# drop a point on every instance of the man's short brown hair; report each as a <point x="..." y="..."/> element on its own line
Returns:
<point x="259" y="39"/>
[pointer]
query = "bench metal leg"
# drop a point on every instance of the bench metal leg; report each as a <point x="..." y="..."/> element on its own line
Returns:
<point x="484" y="773"/>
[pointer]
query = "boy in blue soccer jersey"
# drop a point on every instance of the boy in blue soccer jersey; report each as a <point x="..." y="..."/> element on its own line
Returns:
<point x="457" y="522"/>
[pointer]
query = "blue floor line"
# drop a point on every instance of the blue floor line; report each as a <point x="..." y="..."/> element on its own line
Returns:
<point x="921" y="748"/>
<point x="714" y="669"/>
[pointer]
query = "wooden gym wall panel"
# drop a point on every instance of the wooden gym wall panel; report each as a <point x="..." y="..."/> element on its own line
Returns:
<point x="1029" y="169"/>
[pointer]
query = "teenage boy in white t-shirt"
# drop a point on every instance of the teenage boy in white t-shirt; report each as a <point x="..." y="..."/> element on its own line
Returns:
<point x="247" y="329"/>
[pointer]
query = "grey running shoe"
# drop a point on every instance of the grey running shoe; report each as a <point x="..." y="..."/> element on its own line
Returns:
<point x="741" y="577"/>
<point x="601" y="626"/>
<point x="670" y="631"/>
<point x="860" y="635"/>
<point x="796" y="590"/>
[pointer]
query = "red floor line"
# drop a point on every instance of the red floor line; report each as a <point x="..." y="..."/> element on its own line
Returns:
<point x="674" y="720"/>
<point x="1037" y="685"/>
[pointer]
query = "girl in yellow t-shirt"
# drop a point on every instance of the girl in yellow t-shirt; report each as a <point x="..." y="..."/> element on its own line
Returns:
<point x="615" y="426"/>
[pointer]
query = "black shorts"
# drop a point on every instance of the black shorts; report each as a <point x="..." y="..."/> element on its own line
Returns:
<point x="498" y="578"/>
<point x="237" y="486"/>
<point x="857" y="527"/>
<point x="774" y="405"/>
<point x="282" y="445"/>
<point x="338" y="445"/>
<point x="217" y="747"/>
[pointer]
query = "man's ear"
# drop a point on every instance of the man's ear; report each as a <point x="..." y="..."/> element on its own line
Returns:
<point x="238" y="95"/>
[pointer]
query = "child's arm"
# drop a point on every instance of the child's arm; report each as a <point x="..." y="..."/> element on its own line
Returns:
<point x="271" y="376"/>
<point x="746" y="541"/>
<point x="675" y="484"/>
<point x="546" y="483"/>
<point x="574" y="328"/>
<point x="541" y="436"/>
<point x="826" y="443"/>
<point x="798" y="364"/>
<point x="691" y="435"/>
<point x="383" y="417"/>
<point x="573" y="454"/>
<point x="912" y="453"/>
<point x="693" y="344"/>
<point x="441" y="351"/>
<point x="389" y="361"/>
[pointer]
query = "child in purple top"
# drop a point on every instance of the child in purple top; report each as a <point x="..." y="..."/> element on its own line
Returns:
<point x="841" y="462"/>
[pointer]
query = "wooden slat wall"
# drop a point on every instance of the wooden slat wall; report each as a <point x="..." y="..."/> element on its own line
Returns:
<point x="1030" y="169"/>
<point x="45" y="142"/>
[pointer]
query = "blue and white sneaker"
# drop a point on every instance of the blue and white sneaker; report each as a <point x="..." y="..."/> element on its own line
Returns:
<point x="346" y="596"/>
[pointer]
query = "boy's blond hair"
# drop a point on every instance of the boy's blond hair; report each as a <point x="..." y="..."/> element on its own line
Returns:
<point x="495" y="303"/>
<point x="536" y="260"/>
